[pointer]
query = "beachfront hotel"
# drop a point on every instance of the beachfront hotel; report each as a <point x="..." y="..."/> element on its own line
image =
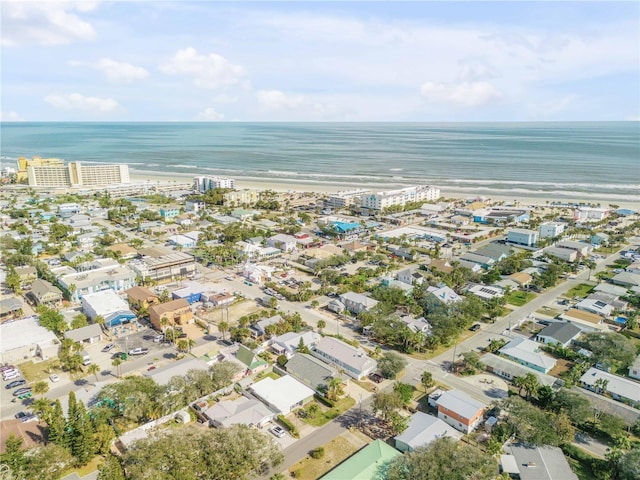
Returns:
<point x="346" y="198"/>
<point x="382" y="200"/>
<point x="75" y="174"/>
<point x="24" y="163"/>
<point x="205" y="183"/>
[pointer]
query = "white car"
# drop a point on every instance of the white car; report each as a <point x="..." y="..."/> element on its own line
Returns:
<point x="277" y="431"/>
<point x="54" y="378"/>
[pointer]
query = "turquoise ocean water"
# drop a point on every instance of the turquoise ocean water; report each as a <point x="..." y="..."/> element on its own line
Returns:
<point x="599" y="160"/>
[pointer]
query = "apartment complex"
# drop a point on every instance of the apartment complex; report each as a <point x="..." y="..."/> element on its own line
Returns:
<point x="241" y="197"/>
<point x="75" y="174"/>
<point x="24" y="163"/>
<point x="346" y="198"/>
<point x="382" y="200"/>
<point x="205" y="183"/>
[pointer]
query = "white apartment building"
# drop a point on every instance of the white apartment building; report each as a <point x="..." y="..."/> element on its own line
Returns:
<point x="551" y="229"/>
<point x="205" y="183"/>
<point x="589" y="214"/>
<point x="346" y="198"/>
<point x="76" y="174"/>
<point x="382" y="200"/>
<point x="241" y="197"/>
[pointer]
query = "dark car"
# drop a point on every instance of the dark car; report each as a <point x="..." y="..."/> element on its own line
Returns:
<point x="19" y="415"/>
<point x="120" y="355"/>
<point x="475" y="327"/>
<point x="22" y="391"/>
<point x="15" y="384"/>
<point x="376" y="377"/>
<point x="183" y="335"/>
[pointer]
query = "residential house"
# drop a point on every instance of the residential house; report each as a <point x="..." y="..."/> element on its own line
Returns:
<point x="287" y="344"/>
<point x="522" y="279"/>
<point x="354" y="361"/>
<point x="422" y="430"/>
<point x="284" y="394"/>
<point x="108" y="305"/>
<point x="595" y="306"/>
<point x="551" y="229"/>
<point x="241" y="411"/>
<point x="124" y="251"/>
<point x="410" y="276"/>
<point x="583" y="249"/>
<point x="10" y="308"/>
<point x="585" y="321"/>
<point x="474" y="267"/>
<point x="141" y="297"/>
<point x="620" y="388"/>
<point x="250" y="362"/>
<point x="219" y="299"/>
<point x="527" y="462"/>
<point x="460" y="410"/>
<point x="562" y="333"/>
<point x="495" y="251"/>
<point x="484" y="262"/>
<point x="565" y="254"/>
<point x="286" y="243"/>
<point x="600" y="238"/>
<point x="259" y="328"/>
<point x="176" y="312"/>
<point x="27" y="275"/>
<point x="626" y="279"/>
<point x="336" y="306"/>
<point x="89" y="334"/>
<point x="508" y="369"/>
<point x="242" y="214"/>
<point x="486" y="292"/>
<point x="440" y="265"/>
<point x="366" y="464"/>
<point x="44" y="293"/>
<point x="163" y="375"/>
<point x="444" y="294"/>
<point x="609" y="289"/>
<point x="416" y="324"/>
<point x="311" y="371"/>
<point x="527" y="353"/>
<point x="357" y="303"/>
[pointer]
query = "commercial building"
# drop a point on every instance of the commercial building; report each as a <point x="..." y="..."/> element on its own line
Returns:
<point x="76" y="174"/>
<point x="561" y="253"/>
<point x="175" y="311"/>
<point x="588" y="214"/>
<point x="522" y="236"/>
<point x="24" y="163"/>
<point x="110" y="276"/>
<point x="241" y="197"/>
<point x="25" y="339"/>
<point x="164" y="266"/>
<point x="109" y="306"/>
<point x="583" y="249"/>
<point x="382" y="200"/>
<point x="205" y="183"/>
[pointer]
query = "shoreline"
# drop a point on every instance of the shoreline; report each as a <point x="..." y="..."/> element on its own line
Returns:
<point x="302" y="185"/>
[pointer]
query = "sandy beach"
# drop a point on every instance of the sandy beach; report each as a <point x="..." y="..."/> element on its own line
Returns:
<point x="287" y="185"/>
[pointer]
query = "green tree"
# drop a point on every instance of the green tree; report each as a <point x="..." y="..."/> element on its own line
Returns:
<point x="14" y="457"/>
<point x="535" y="426"/>
<point x="192" y="453"/>
<point x="629" y="465"/>
<point x="302" y="348"/>
<point x="79" y="321"/>
<point x="223" y="373"/>
<point x="386" y="405"/>
<point x="223" y="328"/>
<point x="426" y="380"/>
<point x="47" y="462"/>
<point x="404" y="391"/>
<point x="110" y="469"/>
<point x="610" y="348"/>
<point x="93" y="370"/>
<point x="321" y="324"/>
<point x="444" y="458"/>
<point x="56" y="424"/>
<point x="334" y="388"/>
<point x="391" y="364"/>
<point x="116" y="362"/>
<point x="40" y="388"/>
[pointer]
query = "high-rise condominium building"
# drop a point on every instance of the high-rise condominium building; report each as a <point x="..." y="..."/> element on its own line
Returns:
<point x="76" y="174"/>
<point x="205" y="183"/>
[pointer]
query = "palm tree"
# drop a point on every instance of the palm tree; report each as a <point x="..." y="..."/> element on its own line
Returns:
<point x="531" y="384"/>
<point x="223" y="327"/>
<point x="191" y="343"/>
<point x="93" y="369"/>
<point x="41" y="408"/>
<point x="40" y="388"/>
<point x="99" y="319"/>
<point x="183" y="345"/>
<point x="427" y="380"/>
<point x="321" y="324"/>
<point x="116" y="363"/>
<point x="164" y="322"/>
<point x="334" y="389"/>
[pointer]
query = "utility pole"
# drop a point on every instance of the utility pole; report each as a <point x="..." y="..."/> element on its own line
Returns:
<point x="453" y="361"/>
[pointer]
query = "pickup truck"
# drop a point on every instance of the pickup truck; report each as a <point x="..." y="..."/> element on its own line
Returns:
<point x="139" y="351"/>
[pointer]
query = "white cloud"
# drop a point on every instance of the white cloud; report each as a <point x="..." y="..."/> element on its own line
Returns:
<point x="116" y="72"/>
<point x="209" y="115"/>
<point x="465" y="94"/>
<point x="277" y="100"/>
<point x="10" y="116"/>
<point x="298" y="106"/>
<point x="45" y="23"/>
<point x="207" y="71"/>
<point x="76" y="101"/>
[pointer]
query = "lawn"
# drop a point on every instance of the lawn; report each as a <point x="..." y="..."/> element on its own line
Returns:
<point x="34" y="372"/>
<point x="327" y="414"/>
<point x="336" y="451"/>
<point x="579" y="291"/>
<point x="92" y="466"/>
<point x="519" y="298"/>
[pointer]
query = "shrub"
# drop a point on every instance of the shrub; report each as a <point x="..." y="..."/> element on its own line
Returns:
<point x="317" y="453"/>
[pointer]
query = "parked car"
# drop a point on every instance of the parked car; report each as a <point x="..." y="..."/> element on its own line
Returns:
<point x="277" y="431"/>
<point x="19" y="415"/>
<point x="11" y="375"/>
<point x="15" y="384"/>
<point x="108" y="347"/>
<point x="376" y="377"/>
<point x="200" y="406"/>
<point x="139" y="351"/>
<point x="21" y="391"/>
<point x="54" y="378"/>
<point x="120" y="355"/>
<point x="475" y="327"/>
<point x="183" y="335"/>
<point x="6" y="368"/>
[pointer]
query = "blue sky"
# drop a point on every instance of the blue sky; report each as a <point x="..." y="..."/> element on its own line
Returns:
<point x="320" y="61"/>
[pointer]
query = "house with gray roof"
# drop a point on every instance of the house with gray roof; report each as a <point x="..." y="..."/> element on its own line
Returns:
<point x="9" y="308"/>
<point x="259" y="328"/>
<point x="508" y="369"/>
<point x="162" y="375"/>
<point x="527" y="353"/>
<point x="620" y="388"/>
<point x="422" y="430"/>
<point x="90" y="334"/>
<point x="241" y="411"/>
<point x="311" y="371"/>
<point x="44" y="293"/>
<point x="354" y="361"/>
<point x="626" y="279"/>
<point x="536" y="463"/>
<point x="558" y="332"/>
<point x="357" y="303"/>
<point x="460" y="410"/>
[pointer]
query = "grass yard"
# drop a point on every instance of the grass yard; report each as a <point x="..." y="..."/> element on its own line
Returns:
<point x="327" y="414"/>
<point x="519" y="298"/>
<point x="335" y="452"/>
<point x="34" y="372"/>
<point x="579" y="291"/>
<point x="92" y="466"/>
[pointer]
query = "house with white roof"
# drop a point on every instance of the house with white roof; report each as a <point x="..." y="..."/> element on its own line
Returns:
<point x="25" y="339"/>
<point x="527" y="353"/>
<point x="620" y="388"/>
<point x="111" y="275"/>
<point x="109" y="305"/>
<point x="416" y="324"/>
<point x="287" y="344"/>
<point x="357" y="303"/>
<point x="354" y="361"/>
<point x="422" y="430"/>
<point x="460" y="410"/>
<point x="444" y="294"/>
<point x="486" y="292"/>
<point x="595" y="306"/>
<point x="241" y="411"/>
<point x="284" y="394"/>
<point x="634" y="368"/>
<point x="286" y="243"/>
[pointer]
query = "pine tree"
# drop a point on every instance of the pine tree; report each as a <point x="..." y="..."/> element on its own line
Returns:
<point x="83" y="445"/>
<point x="71" y="422"/>
<point x="56" y="424"/>
<point x="13" y="457"/>
<point x="110" y="469"/>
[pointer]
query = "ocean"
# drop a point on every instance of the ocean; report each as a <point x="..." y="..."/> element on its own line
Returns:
<point x="546" y="160"/>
